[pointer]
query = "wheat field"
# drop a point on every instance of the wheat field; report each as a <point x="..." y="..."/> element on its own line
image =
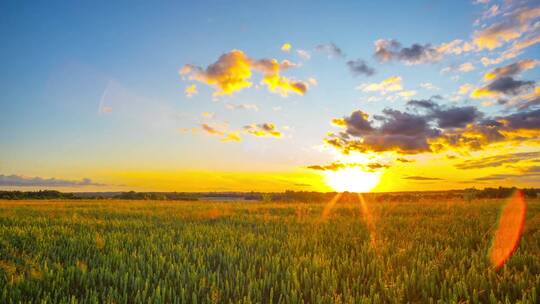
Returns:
<point x="113" y="251"/>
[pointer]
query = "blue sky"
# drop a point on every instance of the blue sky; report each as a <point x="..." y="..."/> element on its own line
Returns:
<point x="64" y="62"/>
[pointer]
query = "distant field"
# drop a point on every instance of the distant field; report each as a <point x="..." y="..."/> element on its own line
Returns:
<point x="256" y="252"/>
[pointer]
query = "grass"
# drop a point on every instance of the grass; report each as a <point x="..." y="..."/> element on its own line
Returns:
<point x="226" y="252"/>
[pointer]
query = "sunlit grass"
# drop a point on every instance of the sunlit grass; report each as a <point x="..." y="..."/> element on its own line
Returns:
<point x="146" y="251"/>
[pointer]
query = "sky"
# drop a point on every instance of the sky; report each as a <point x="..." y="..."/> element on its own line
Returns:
<point x="269" y="96"/>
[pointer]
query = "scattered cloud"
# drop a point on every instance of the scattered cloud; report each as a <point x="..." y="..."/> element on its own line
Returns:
<point x="191" y="91"/>
<point x="286" y="47"/>
<point x="233" y="70"/>
<point x="502" y="86"/>
<point x="390" y="84"/>
<point x="263" y="130"/>
<point x="360" y="67"/>
<point x="404" y="160"/>
<point x="303" y="54"/>
<point x="391" y="49"/>
<point x="464" y="89"/>
<point x="466" y="67"/>
<point x="242" y="106"/>
<point x="428" y="86"/>
<point x="422" y="178"/>
<point x="513" y="26"/>
<point x="429" y="127"/>
<point x="336" y="166"/>
<point x="207" y="115"/>
<point x="24" y="181"/>
<point x="497" y="160"/>
<point x="511" y="69"/>
<point x="331" y="50"/>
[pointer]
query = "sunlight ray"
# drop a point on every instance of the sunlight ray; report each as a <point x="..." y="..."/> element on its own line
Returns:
<point x="330" y="205"/>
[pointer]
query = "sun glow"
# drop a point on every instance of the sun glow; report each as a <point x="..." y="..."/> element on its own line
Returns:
<point x="352" y="180"/>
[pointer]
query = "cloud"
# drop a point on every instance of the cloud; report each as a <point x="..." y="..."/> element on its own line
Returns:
<point x="207" y="115"/>
<point x="230" y="73"/>
<point x="24" y="181"/>
<point x="303" y="54"/>
<point x="497" y="160"/>
<point x="286" y="47"/>
<point x="480" y="1"/>
<point x="455" y="47"/>
<point x="263" y="130"/>
<point x="528" y="101"/>
<point x="233" y="70"/>
<point x="503" y="85"/>
<point x="513" y="26"/>
<point x="422" y="178"/>
<point x="396" y="131"/>
<point x="191" y="91"/>
<point x="446" y="117"/>
<point x="511" y="69"/>
<point x="466" y="67"/>
<point x="390" y="84"/>
<point x="407" y="94"/>
<point x="242" y="106"/>
<point x="429" y="127"/>
<point x="284" y="86"/>
<point x="336" y="166"/>
<point x="360" y="67"/>
<point x="404" y="160"/>
<point x="330" y="49"/>
<point x="464" y="89"/>
<point x="226" y="136"/>
<point x="525" y="173"/>
<point x="428" y="86"/>
<point x="388" y="50"/>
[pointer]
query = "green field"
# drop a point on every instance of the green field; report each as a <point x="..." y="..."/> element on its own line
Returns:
<point x="257" y="252"/>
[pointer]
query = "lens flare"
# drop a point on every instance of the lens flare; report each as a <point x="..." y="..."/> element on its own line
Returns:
<point x="508" y="234"/>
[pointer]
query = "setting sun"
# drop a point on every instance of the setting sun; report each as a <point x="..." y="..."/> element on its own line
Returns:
<point x="352" y="180"/>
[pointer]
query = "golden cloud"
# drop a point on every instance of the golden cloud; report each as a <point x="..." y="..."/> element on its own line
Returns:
<point x="286" y="47"/>
<point x="511" y="69"/>
<point x="391" y="84"/>
<point x="230" y="73"/>
<point x="191" y="90"/>
<point x="511" y="28"/>
<point x="225" y="135"/>
<point x="233" y="70"/>
<point x="263" y="130"/>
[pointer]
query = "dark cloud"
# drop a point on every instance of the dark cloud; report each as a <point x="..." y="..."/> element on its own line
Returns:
<point x="503" y="85"/>
<point x="529" y="104"/>
<point x="263" y="130"/>
<point x="396" y="130"/>
<point x="23" y="181"/>
<point x="508" y="85"/>
<point x="388" y="50"/>
<point x="456" y="117"/>
<point x="336" y="166"/>
<point x="404" y="160"/>
<point x="360" y="67"/>
<point x="422" y="178"/>
<point x="330" y="49"/>
<point x="447" y="117"/>
<point x="429" y="127"/>
<point x="497" y="160"/>
<point x="511" y="69"/>
<point x="530" y="173"/>
<point x="522" y="120"/>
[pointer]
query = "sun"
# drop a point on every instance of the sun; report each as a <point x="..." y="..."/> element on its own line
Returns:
<point x="352" y="180"/>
